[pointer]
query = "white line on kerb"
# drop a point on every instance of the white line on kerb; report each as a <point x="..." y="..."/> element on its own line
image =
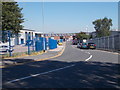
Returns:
<point x="39" y="74"/>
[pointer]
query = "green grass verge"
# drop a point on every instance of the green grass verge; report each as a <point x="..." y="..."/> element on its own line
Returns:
<point x="20" y="54"/>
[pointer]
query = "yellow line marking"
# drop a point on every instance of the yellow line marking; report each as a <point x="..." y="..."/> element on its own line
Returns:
<point x="59" y="54"/>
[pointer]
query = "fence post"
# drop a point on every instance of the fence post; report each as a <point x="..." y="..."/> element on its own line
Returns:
<point x="119" y="42"/>
<point x="108" y="42"/>
<point x="104" y="42"/>
<point x="98" y="43"/>
<point x="113" y="42"/>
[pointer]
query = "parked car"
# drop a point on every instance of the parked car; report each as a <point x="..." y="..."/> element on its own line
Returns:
<point x="84" y="46"/>
<point x="5" y="48"/>
<point x="79" y="45"/>
<point x="91" y="45"/>
<point x="60" y="43"/>
<point x="74" y="42"/>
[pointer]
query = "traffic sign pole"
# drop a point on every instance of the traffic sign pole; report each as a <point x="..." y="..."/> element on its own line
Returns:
<point x="9" y="34"/>
<point x="28" y="48"/>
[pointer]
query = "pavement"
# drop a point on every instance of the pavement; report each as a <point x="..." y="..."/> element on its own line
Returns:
<point x="18" y="49"/>
<point x="26" y="59"/>
<point x="75" y="68"/>
<point x="21" y="48"/>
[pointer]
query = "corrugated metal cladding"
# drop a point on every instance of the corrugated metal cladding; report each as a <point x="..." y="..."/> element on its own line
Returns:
<point x="41" y="39"/>
<point x="39" y="44"/>
<point x="52" y="43"/>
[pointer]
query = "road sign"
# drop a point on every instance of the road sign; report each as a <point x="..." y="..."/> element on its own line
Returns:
<point x="29" y="42"/>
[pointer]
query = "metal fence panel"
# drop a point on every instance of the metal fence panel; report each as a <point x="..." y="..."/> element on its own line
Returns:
<point x="116" y="42"/>
<point x="38" y="45"/>
<point x="52" y="43"/>
<point x="108" y="42"/>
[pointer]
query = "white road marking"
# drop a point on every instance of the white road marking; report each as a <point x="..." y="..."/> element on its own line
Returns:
<point x="39" y="74"/>
<point x="35" y="75"/>
<point x="89" y="58"/>
<point x="87" y="53"/>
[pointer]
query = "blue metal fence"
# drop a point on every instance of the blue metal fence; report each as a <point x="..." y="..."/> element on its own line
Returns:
<point x="52" y="43"/>
<point x="41" y="39"/>
<point x="38" y="45"/>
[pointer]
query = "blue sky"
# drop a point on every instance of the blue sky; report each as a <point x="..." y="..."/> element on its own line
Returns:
<point x="67" y="16"/>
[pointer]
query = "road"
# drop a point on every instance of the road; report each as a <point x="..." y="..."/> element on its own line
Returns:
<point x="75" y="68"/>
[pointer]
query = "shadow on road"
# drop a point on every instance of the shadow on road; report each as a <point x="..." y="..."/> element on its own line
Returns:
<point x="82" y="75"/>
<point x="6" y="62"/>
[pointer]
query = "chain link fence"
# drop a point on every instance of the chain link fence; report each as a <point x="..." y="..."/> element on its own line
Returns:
<point x="111" y="43"/>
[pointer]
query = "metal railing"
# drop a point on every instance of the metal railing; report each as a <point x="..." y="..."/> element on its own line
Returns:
<point x="107" y="43"/>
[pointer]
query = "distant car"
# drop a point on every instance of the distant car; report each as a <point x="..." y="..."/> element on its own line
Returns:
<point x="60" y="43"/>
<point x="84" y="46"/>
<point x="74" y="42"/>
<point x="79" y="45"/>
<point x="5" y="48"/>
<point x="91" y="45"/>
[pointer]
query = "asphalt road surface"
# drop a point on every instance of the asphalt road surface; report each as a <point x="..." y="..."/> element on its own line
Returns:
<point x="76" y="68"/>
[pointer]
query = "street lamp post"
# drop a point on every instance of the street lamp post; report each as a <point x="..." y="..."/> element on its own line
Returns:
<point x="43" y="26"/>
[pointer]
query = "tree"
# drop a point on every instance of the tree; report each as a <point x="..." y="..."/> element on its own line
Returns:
<point x="0" y="20"/>
<point x="82" y="35"/>
<point x="102" y="26"/>
<point x="11" y="18"/>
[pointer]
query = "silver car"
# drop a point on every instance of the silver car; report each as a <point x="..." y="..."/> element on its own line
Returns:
<point x="79" y="45"/>
<point x="5" y="48"/>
